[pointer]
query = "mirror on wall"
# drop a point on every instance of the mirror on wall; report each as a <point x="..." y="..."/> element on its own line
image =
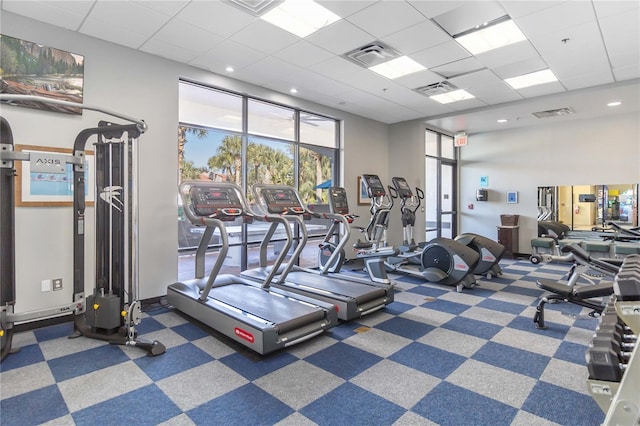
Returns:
<point x="584" y="207"/>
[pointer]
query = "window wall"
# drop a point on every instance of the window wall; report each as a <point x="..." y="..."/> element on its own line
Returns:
<point x="228" y="137"/>
<point x="440" y="192"/>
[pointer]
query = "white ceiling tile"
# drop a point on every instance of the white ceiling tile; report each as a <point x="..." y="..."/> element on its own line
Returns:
<point x="127" y="15"/>
<point x="181" y="34"/>
<point x="417" y="37"/>
<point x="228" y="53"/>
<point x="469" y="15"/>
<point x="336" y="68"/>
<point x="418" y="79"/>
<point x="386" y="17"/>
<point x="541" y="89"/>
<point x="588" y="79"/>
<point x="216" y="17"/>
<point x="65" y="14"/>
<point x="340" y="37"/>
<point x="441" y="54"/>
<point x="367" y="80"/>
<point x="510" y="54"/>
<point x="106" y="31"/>
<point x="167" y="7"/>
<point x="319" y="83"/>
<point x="467" y="104"/>
<point x="477" y="79"/>
<point x="605" y="8"/>
<point x="495" y="93"/>
<point x="345" y="8"/>
<point x="558" y="18"/>
<point x="432" y="8"/>
<point x="462" y="66"/>
<point x="303" y="54"/>
<point x="520" y="68"/>
<point x="270" y="39"/>
<point x="621" y="33"/>
<point x="169" y="51"/>
<point x="518" y="8"/>
<point x="402" y="95"/>
<point x="627" y="73"/>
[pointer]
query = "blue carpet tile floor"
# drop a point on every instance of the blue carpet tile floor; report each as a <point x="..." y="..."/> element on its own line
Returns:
<point x="433" y="356"/>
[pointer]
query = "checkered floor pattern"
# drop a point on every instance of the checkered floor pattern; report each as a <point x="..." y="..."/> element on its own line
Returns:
<point x="433" y="356"/>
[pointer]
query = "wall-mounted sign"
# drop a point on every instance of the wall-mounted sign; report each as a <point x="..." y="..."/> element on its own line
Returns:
<point x="484" y="181"/>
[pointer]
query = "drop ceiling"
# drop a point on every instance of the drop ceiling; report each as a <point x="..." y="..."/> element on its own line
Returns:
<point x="593" y="47"/>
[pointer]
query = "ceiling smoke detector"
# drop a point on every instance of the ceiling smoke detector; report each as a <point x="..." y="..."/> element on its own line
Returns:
<point x="372" y="54"/>
<point x="436" y="88"/>
<point x="554" y="112"/>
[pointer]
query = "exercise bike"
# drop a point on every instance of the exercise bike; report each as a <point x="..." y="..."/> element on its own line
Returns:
<point x="441" y="260"/>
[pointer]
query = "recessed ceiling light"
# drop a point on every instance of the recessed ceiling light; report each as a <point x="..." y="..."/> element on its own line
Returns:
<point x="502" y="120"/>
<point x="531" y="79"/>
<point x="300" y="17"/>
<point x="616" y="103"/>
<point x="490" y="36"/>
<point x="455" y="96"/>
<point x="229" y="69"/>
<point x="397" y="67"/>
<point x="293" y="90"/>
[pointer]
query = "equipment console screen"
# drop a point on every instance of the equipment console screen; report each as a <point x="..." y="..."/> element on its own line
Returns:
<point x="207" y="200"/>
<point x="338" y="201"/>
<point x="375" y="185"/>
<point x="281" y="201"/>
<point x="403" y="188"/>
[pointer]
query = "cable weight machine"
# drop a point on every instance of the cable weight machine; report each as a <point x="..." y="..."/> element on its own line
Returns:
<point x="112" y="312"/>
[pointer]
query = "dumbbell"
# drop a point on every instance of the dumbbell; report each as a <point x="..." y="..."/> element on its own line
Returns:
<point x="603" y="364"/>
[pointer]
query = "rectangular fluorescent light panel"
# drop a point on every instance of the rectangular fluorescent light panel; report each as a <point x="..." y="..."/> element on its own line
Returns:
<point x="455" y="96"/>
<point x="300" y="17"/>
<point x="531" y="79"/>
<point x="491" y="37"/>
<point x="397" y="67"/>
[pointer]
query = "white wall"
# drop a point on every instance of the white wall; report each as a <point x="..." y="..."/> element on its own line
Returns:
<point x="144" y="86"/>
<point x="600" y="151"/>
<point x="596" y="151"/>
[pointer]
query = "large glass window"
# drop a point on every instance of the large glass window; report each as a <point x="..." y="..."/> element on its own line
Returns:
<point x="229" y="137"/>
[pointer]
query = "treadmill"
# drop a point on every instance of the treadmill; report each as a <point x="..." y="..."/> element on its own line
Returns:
<point x="249" y="313"/>
<point x="353" y="299"/>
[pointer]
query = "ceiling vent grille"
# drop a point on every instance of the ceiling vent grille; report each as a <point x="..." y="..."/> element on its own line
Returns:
<point x="436" y="88"/>
<point x="554" y="112"/>
<point x="254" y="7"/>
<point x="372" y="54"/>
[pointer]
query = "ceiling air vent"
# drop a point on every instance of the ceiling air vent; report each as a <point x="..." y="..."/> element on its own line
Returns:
<point x="372" y="54"/>
<point x="254" y="7"/>
<point x="436" y="88"/>
<point x="554" y="112"/>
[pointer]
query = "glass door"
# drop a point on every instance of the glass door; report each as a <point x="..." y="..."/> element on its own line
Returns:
<point x="440" y="186"/>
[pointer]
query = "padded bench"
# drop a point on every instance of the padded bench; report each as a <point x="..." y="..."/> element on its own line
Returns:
<point x="597" y="248"/>
<point x="541" y="245"/>
<point x="621" y="250"/>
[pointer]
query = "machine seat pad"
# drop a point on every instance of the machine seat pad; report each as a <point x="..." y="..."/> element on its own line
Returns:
<point x="555" y="287"/>
<point x="597" y="290"/>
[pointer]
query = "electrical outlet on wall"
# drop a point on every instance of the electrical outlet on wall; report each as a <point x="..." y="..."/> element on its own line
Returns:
<point x="57" y="284"/>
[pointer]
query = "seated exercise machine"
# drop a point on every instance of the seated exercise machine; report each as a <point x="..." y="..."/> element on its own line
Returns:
<point x="112" y="312"/>
<point x="252" y="313"/>
<point x="330" y="263"/>
<point x="614" y="231"/>
<point x="353" y="298"/>
<point x="441" y="260"/>
<point x="571" y="292"/>
<point x="490" y="252"/>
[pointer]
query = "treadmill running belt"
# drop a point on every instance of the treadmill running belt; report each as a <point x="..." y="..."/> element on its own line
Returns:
<point x="285" y="313"/>
<point x="361" y="293"/>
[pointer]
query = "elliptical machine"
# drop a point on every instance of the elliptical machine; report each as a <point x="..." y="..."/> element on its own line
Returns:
<point x="441" y="260"/>
<point x="490" y="252"/>
<point x="373" y="259"/>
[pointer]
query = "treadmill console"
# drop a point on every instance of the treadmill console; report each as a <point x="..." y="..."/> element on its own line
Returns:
<point x="338" y="201"/>
<point x="212" y="201"/>
<point x="403" y="188"/>
<point x="281" y="201"/>
<point x="374" y="186"/>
